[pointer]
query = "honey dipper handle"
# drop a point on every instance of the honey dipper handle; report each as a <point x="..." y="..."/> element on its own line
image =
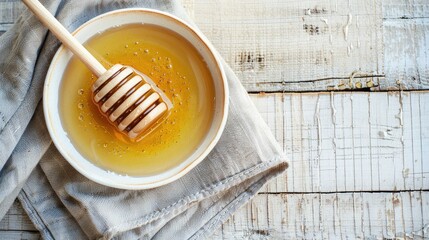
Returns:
<point x="64" y="36"/>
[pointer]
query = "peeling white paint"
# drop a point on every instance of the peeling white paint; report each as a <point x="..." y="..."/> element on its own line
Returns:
<point x="346" y="27"/>
<point x="349" y="49"/>
<point x="351" y="77"/>
<point x="333" y="109"/>
<point x="319" y="128"/>
<point x="358" y="30"/>
<point x="329" y="28"/>
<point x="362" y="212"/>
<point x="400" y="114"/>
<point x="405" y="172"/>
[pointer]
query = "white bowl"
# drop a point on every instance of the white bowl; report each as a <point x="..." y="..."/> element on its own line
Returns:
<point x="105" y="22"/>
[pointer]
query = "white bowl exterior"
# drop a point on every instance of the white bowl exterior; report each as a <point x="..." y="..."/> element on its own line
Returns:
<point x="101" y="24"/>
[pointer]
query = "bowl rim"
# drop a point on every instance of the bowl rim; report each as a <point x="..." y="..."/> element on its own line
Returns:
<point x="184" y="169"/>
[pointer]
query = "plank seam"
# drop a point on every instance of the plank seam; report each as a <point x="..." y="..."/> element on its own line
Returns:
<point x="323" y="79"/>
<point x="342" y="91"/>
<point x="346" y="192"/>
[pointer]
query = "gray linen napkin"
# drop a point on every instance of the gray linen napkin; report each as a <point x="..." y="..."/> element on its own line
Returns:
<point x="64" y="204"/>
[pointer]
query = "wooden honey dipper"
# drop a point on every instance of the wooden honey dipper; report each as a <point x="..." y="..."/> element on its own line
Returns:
<point x="129" y="99"/>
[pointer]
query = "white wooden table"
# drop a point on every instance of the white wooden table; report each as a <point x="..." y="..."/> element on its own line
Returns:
<point x="343" y="85"/>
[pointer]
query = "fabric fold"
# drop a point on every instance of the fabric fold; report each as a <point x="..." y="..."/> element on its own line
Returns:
<point x="27" y="153"/>
<point x="24" y="54"/>
<point x="64" y="204"/>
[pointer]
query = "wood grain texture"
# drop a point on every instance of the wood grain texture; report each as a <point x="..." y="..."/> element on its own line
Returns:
<point x="320" y="45"/>
<point x="297" y="45"/>
<point x="331" y="216"/>
<point x="405" y="9"/>
<point x="406" y="52"/>
<point x="359" y="160"/>
<point x="309" y="216"/>
<point x="277" y="46"/>
<point x="355" y="146"/>
<point x="16" y="219"/>
<point x="406" y="36"/>
<point x="9" y="11"/>
<point x="17" y="225"/>
<point x="350" y="141"/>
<point x="25" y="235"/>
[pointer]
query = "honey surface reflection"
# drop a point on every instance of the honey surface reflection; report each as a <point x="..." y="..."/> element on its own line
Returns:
<point x="175" y="66"/>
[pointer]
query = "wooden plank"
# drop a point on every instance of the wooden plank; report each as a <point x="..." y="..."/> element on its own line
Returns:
<point x="312" y="46"/>
<point x="17" y="225"/>
<point x="9" y="11"/>
<point x="9" y="235"/>
<point x="350" y="141"/>
<point x="405" y="9"/>
<point x="330" y="216"/>
<point x="406" y="27"/>
<point x="381" y="134"/>
<point x="4" y="27"/>
<point x="325" y="215"/>
<point x="16" y="219"/>
<point x="406" y="53"/>
<point x="296" y="45"/>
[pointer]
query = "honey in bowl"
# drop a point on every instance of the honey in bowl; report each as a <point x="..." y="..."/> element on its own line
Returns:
<point x="177" y="69"/>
